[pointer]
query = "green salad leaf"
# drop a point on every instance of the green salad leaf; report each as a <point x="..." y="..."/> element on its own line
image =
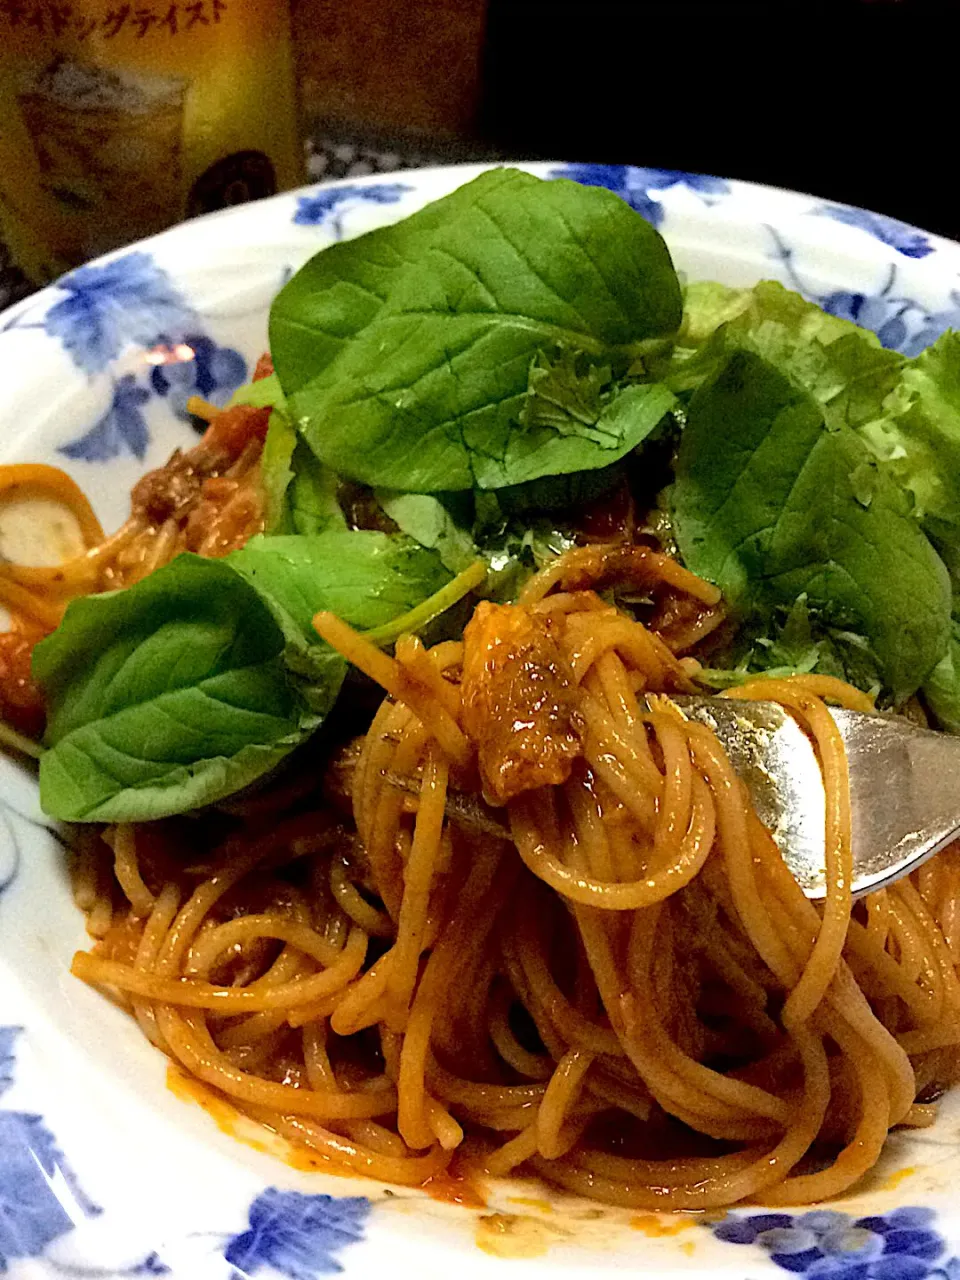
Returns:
<point x="706" y="306"/>
<point x="486" y="365"/>
<point x="191" y="684"/>
<point x="941" y="690"/>
<point x="339" y="291"/>
<point x="365" y="577"/>
<point x="276" y="472"/>
<point x="844" y="368"/>
<point x="765" y="505"/>
<point x="168" y="695"/>
<point x="312" y="496"/>
<point x="566" y="394"/>
<point x="440" y="522"/>
<point x="426" y="388"/>
<point x="300" y="493"/>
<point x="628" y="417"/>
<point x="263" y="393"/>
<point x="796" y="641"/>
<point x="918" y="434"/>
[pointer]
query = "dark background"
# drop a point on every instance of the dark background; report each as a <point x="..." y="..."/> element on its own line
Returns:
<point x="856" y="101"/>
<point x="847" y="99"/>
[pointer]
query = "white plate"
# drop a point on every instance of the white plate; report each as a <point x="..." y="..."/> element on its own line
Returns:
<point x="103" y="1170"/>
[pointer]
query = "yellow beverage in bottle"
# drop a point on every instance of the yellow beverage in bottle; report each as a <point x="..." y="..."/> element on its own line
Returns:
<point x="117" y="119"/>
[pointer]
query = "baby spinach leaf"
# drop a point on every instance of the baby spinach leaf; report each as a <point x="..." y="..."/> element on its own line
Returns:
<point x="427" y="392"/>
<point x="312" y="496"/>
<point x="764" y="505"/>
<point x="300" y="493"/>
<point x="440" y="522"/>
<point x="188" y="686"/>
<point x="171" y="694"/>
<point x="366" y="577"/>
<point x="340" y="290"/>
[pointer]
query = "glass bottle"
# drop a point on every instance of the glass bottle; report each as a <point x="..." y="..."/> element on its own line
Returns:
<point x="119" y="118"/>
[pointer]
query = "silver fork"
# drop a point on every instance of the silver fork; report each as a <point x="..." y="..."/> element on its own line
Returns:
<point x="904" y="786"/>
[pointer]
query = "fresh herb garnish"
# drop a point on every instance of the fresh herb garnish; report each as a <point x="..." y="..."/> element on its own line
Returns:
<point x="188" y="686"/>
<point x="427" y="336"/>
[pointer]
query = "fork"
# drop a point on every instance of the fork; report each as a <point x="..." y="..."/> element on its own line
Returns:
<point x="904" y="786"/>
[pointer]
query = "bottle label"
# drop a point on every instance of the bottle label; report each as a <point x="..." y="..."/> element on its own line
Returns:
<point x="121" y="118"/>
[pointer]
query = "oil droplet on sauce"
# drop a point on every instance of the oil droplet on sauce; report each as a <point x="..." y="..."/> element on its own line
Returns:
<point x="515" y="1235"/>
<point x="656" y="1225"/>
<point x="454" y="1188"/>
<point x="190" y="1090"/>
<point x="900" y="1175"/>
<point x="530" y="1202"/>
<point x="450" y="1187"/>
<point x="240" y="1127"/>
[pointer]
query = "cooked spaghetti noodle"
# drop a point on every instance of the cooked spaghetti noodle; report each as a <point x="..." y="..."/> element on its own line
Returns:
<point x="529" y="921"/>
<point x="607" y="976"/>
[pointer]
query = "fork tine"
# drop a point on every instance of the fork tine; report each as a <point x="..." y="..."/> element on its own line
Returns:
<point x="904" y="786"/>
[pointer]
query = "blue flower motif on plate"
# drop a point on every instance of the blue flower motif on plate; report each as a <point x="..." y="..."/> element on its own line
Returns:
<point x="636" y="185"/>
<point x="909" y="241"/>
<point x="110" y="306"/>
<point x="8" y="1037"/>
<point x="828" y="1245"/>
<point x="122" y="428"/>
<point x="193" y="365"/>
<point x="297" y="1235"/>
<point x="196" y="366"/>
<point x="34" y="1177"/>
<point x="901" y="323"/>
<point x="327" y="205"/>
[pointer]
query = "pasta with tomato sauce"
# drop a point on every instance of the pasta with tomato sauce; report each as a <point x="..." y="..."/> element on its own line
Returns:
<point x="514" y="913"/>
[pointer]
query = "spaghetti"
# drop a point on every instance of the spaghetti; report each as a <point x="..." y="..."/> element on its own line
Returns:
<point x="530" y="920"/>
<point x="609" y="978"/>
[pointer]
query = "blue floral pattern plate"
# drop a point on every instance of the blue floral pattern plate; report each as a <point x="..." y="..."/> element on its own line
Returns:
<point x="105" y="1171"/>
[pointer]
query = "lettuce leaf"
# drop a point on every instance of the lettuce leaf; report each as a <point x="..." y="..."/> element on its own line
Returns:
<point x="772" y="502"/>
<point x="918" y="434"/>
<point x="941" y="691"/>
<point x="844" y="368"/>
<point x="706" y="306"/>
